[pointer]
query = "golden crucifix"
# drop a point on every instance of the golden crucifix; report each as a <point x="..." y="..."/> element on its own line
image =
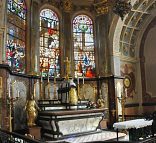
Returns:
<point x="67" y="63"/>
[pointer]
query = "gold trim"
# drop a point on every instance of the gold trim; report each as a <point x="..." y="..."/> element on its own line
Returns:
<point x="67" y="5"/>
<point x="1" y="82"/>
<point x="102" y="7"/>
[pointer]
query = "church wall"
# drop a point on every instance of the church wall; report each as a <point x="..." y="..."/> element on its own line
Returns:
<point x="12" y="87"/>
<point x="128" y="50"/>
<point x="3" y="108"/>
<point x="126" y="66"/>
<point x="131" y="110"/>
<point x="147" y="54"/>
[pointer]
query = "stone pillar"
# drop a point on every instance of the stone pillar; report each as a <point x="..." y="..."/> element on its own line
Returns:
<point x="33" y="36"/>
<point x="102" y="41"/>
<point x="67" y="34"/>
<point x="3" y="15"/>
<point x="112" y="101"/>
<point x="103" y="53"/>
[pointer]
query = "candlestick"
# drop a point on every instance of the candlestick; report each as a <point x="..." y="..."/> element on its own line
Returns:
<point x="41" y="90"/>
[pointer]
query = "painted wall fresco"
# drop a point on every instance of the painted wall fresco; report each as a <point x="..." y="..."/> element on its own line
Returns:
<point x="128" y="71"/>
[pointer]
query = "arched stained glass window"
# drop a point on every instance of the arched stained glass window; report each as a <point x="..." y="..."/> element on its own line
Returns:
<point x="49" y="43"/>
<point x="16" y="31"/>
<point x="83" y="46"/>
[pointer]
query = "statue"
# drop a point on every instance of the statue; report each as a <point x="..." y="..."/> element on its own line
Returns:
<point x="73" y="98"/>
<point x="100" y="103"/>
<point x="31" y="108"/>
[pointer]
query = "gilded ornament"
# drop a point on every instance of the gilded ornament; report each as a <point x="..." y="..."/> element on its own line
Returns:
<point x="100" y="103"/>
<point x="31" y="108"/>
<point x="102" y="7"/>
<point x="67" y="5"/>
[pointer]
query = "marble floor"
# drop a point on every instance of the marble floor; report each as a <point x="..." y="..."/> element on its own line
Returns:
<point x="102" y="136"/>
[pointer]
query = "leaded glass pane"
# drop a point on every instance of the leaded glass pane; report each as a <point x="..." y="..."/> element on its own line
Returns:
<point x="83" y="46"/>
<point x="49" y="43"/>
<point x="16" y="29"/>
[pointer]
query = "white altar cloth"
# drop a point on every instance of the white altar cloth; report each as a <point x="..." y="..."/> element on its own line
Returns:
<point x="137" y="123"/>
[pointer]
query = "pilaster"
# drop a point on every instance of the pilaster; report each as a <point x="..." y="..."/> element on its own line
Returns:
<point x="67" y="32"/>
<point x="33" y="57"/>
<point x="102" y="34"/>
<point x="3" y="15"/>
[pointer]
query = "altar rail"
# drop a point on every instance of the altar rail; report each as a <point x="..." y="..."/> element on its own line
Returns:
<point x="11" y="137"/>
<point x="149" y="140"/>
<point x="131" y="117"/>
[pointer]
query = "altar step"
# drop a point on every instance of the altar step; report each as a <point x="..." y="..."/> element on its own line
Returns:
<point x="101" y="136"/>
<point x="54" y="104"/>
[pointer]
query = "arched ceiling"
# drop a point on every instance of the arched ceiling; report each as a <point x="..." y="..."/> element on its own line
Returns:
<point x="133" y="24"/>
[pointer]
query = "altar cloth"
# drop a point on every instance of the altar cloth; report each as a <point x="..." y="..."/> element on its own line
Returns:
<point x="137" y="123"/>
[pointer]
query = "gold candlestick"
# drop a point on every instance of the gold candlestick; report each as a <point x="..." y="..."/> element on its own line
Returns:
<point x="122" y="100"/>
<point x="55" y="86"/>
<point x="48" y="87"/>
<point x="67" y="63"/>
<point x="49" y="90"/>
<point x="34" y="90"/>
<point x="41" y="87"/>
<point x="78" y="91"/>
<point x="10" y="102"/>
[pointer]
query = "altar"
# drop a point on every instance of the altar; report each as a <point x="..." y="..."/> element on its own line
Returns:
<point x="68" y="114"/>
<point x="137" y="128"/>
<point x="67" y="123"/>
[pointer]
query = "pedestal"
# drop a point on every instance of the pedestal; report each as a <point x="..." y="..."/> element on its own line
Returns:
<point x="35" y="131"/>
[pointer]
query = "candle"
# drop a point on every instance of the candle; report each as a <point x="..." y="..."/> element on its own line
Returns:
<point x="41" y="77"/>
<point x="48" y="77"/>
<point x="77" y="79"/>
<point x="55" y="77"/>
<point x="9" y="91"/>
<point x="126" y="92"/>
<point x="36" y="63"/>
<point x="83" y="79"/>
<point x="34" y="90"/>
<point x="18" y="93"/>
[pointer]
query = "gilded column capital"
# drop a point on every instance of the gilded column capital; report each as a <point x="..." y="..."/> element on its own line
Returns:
<point x="67" y="5"/>
<point x="102" y="7"/>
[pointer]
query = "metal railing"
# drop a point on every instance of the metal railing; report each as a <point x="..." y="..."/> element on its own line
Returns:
<point x="11" y="137"/>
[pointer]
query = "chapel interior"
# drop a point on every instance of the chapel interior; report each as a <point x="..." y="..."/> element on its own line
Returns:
<point x="71" y="68"/>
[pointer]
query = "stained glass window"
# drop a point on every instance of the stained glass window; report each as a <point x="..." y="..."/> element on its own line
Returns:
<point x="49" y="43"/>
<point x="84" y="58"/>
<point x="16" y="31"/>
